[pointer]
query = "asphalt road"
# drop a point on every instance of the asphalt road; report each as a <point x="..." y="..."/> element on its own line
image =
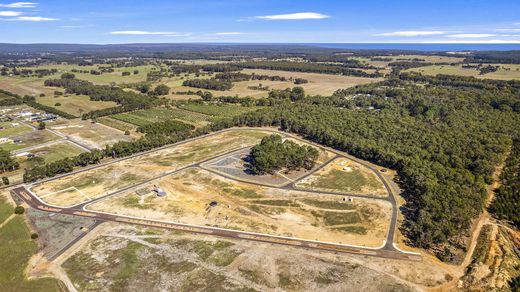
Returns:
<point x="387" y="251"/>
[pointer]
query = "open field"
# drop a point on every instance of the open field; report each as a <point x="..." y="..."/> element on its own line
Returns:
<point x="13" y="129"/>
<point x="56" y="151"/>
<point x="92" y="134"/>
<point x="137" y="259"/>
<point x="74" y="104"/>
<point x="16" y="249"/>
<point x="28" y="139"/>
<point x="505" y="72"/>
<point x="96" y="182"/>
<point x="323" y="84"/>
<point x="427" y="59"/>
<point x="259" y="209"/>
<point x="344" y="176"/>
<point x="145" y="117"/>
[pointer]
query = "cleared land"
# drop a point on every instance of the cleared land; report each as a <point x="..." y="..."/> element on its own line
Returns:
<point x="135" y="259"/>
<point x="96" y="182"/>
<point x="16" y="249"/>
<point x="28" y="139"/>
<point x="344" y="176"/>
<point x="13" y="129"/>
<point x="505" y="71"/>
<point x="74" y="104"/>
<point x="251" y="208"/>
<point x="323" y="84"/>
<point x="92" y="134"/>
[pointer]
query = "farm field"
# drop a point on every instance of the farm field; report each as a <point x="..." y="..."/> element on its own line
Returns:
<point x="56" y="151"/>
<point x="116" y="124"/>
<point x="344" y="176"/>
<point x="505" y="72"/>
<point x="74" y="104"/>
<point x="94" y="183"/>
<point x="427" y="59"/>
<point x="218" y="110"/>
<point x="145" y="117"/>
<point x="323" y="84"/>
<point x="93" y="135"/>
<point x="16" y="249"/>
<point x="259" y="209"/>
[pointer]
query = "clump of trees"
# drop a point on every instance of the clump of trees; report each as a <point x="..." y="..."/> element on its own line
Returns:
<point x="274" y="154"/>
<point x="294" y="94"/>
<point x="212" y="83"/>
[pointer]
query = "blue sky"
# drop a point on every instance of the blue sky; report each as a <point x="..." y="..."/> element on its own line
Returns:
<point x="280" y="21"/>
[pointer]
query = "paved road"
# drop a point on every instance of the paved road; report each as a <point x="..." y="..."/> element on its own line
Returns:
<point x="32" y="201"/>
<point x="388" y="250"/>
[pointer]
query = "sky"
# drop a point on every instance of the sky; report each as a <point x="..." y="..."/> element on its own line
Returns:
<point x="260" y="21"/>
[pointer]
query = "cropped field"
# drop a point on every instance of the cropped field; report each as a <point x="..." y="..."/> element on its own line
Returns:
<point x="344" y="176"/>
<point x="116" y="124"/>
<point x="145" y="117"/>
<point x="74" y="104"/>
<point x="505" y="72"/>
<point x="96" y="182"/>
<point x="16" y="249"/>
<point x="218" y="110"/>
<point x="253" y="208"/>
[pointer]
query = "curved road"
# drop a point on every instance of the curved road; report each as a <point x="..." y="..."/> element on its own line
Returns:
<point x="388" y="250"/>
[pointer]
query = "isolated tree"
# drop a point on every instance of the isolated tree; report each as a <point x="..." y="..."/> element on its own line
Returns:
<point x="162" y="89"/>
<point x="41" y="126"/>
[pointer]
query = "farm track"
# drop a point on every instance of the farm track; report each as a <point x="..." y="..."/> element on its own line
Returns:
<point x="387" y="250"/>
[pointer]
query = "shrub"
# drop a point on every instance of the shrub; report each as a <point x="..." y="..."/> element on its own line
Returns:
<point x="19" y="210"/>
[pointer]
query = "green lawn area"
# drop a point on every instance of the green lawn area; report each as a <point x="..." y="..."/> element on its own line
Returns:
<point x="75" y="104"/>
<point x="29" y="139"/>
<point x="15" y="251"/>
<point x="6" y="209"/>
<point x="9" y="130"/>
<point x="145" y="117"/>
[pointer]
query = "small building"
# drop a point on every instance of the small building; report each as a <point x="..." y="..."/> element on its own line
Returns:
<point x="159" y="192"/>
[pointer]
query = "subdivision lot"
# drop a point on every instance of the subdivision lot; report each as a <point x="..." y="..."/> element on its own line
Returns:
<point x="344" y="176"/>
<point x="99" y="181"/>
<point x="93" y="135"/>
<point x="13" y="129"/>
<point x="28" y="139"/>
<point x="195" y="196"/>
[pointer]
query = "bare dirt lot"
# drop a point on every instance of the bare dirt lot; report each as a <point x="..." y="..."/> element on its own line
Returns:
<point x="195" y="196"/>
<point x="97" y="182"/>
<point x="125" y="258"/>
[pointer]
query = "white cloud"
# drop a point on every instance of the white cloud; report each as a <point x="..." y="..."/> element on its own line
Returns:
<point x="293" y="16"/>
<point x="410" y="33"/>
<point x="20" y="5"/>
<point x="10" y="13"/>
<point x="229" y="33"/>
<point x="471" y="35"/>
<point x="31" y="18"/>
<point x="141" y="32"/>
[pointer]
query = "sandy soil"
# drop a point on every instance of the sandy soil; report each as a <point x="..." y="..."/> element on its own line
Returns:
<point x="257" y="209"/>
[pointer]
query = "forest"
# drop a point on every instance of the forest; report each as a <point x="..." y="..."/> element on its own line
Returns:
<point x="273" y="154"/>
<point x="506" y="204"/>
<point x="212" y="83"/>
